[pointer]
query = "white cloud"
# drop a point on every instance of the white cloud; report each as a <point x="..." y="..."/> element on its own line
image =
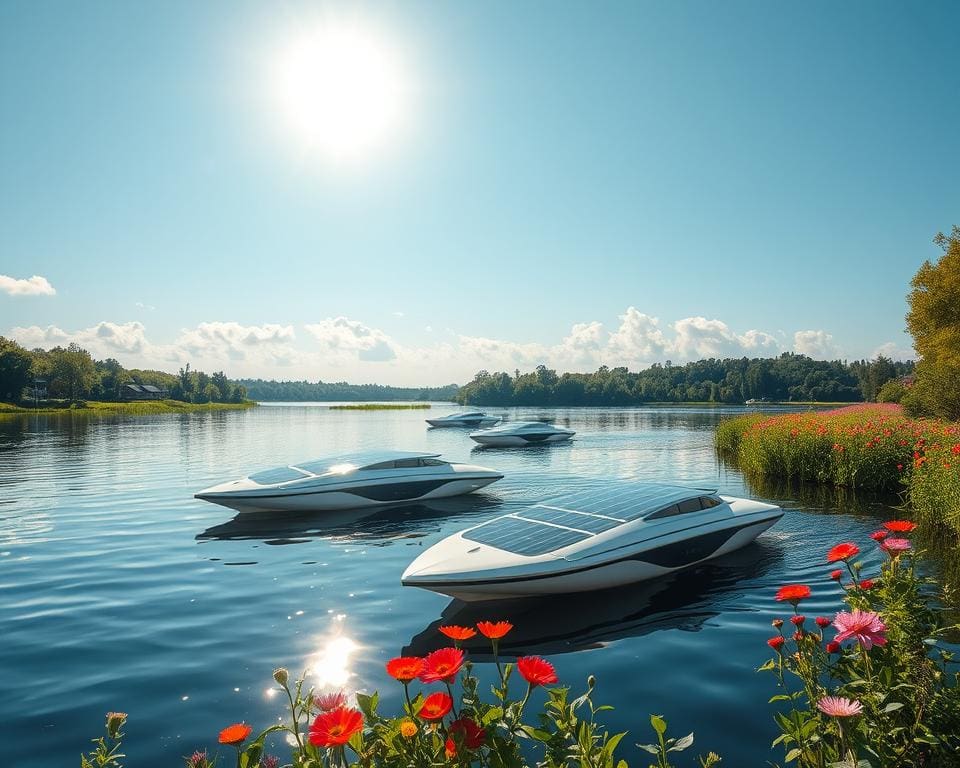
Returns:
<point x="639" y="338"/>
<point x="232" y="341"/>
<point x="816" y="344"/>
<point x="894" y="351"/>
<point x="32" y="286"/>
<point x="342" y="336"/>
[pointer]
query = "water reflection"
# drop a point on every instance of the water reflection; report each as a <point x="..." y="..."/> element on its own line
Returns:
<point x="387" y="523"/>
<point x="583" y="621"/>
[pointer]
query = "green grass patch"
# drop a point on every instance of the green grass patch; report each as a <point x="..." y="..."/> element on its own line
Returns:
<point x="381" y="407"/>
<point x="133" y="408"/>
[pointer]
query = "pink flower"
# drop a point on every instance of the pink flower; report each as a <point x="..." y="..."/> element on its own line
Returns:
<point x="865" y="626"/>
<point x="894" y="547"/>
<point x="838" y="706"/>
<point x="327" y="702"/>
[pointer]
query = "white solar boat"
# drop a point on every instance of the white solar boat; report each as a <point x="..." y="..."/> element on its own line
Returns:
<point x="596" y="539"/>
<point x="515" y="433"/>
<point x="345" y="482"/>
<point x="464" y="419"/>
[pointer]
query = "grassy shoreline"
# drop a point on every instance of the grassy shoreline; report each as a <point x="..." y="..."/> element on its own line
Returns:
<point x="873" y="447"/>
<point x="381" y="407"/>
<point x="132" y="408"/>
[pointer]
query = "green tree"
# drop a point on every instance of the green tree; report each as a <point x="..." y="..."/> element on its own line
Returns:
<point x="934" y="323"/>
<point x="15" y="364"/>
<point x="72" y="372"/>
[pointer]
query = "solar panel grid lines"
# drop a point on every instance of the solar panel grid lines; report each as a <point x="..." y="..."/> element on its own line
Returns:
<point x="592" y="524"/>
<point x="524" y="537"/>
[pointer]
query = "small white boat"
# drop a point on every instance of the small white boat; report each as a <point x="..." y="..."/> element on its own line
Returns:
<point x="464" y="419"/>
<point x="590" y="540"/>
<point x="522" y="433"/>
<point x="344" y="482"/>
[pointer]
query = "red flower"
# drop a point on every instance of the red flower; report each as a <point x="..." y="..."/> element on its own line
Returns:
<point x="798" y="635"/>
<point x="822" y="622"/>
<point x="866" y="584"/>
<point x="879" y="535"/>
<point x="235" y="734"/>
<point x="899" y="526"/>
<point x="836" y="575"/>
<point x="793" y="593"/>
<point x="450" y="748"/>
<point x="404" y="668"/>
<point x="776" y="642"/>
<point x="494" y="630"/>
<point x="469" y="733"/>
<point x="797" y="620"/>
<point x="833" y="647"/>
<point x="536" y="671"/>
<point x="334" y="728"/>
<point x="843" y="552"/>
<point x="458" y="633"/>
<point x="435" y="706"/>
<point x="441" y="665"/>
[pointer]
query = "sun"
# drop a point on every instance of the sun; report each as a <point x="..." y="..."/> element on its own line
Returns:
<point x="341" y="89"/>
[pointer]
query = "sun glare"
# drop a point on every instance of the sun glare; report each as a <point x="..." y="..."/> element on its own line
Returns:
<point x="341" y="89"/>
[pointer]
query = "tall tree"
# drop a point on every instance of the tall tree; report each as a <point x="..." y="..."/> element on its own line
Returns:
<point x="73" y="373"/>
<point x="934" y="323"/>
<point x="14" y="369"/>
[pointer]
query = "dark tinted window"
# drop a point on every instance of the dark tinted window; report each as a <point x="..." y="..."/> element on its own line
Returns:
<point x="666" y="512"/>
<point x="710" y="501"/>
<point x="690" y="505"/>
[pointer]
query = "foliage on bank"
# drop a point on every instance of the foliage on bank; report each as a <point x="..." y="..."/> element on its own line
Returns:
<point x="137" y="408"/>
<point x="322" y="391"/>
<point x="382" y="407"/>
<point x="874" y="447"/>
<point x="790" y="377"/>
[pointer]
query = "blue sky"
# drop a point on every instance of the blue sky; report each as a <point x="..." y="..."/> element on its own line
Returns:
<point x="568" y="183"/>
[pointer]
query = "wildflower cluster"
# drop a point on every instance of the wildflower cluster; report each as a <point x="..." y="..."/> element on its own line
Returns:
<point x="437" y="728"/>
<point x="880" y="691"/>
<point x="875" y="447"/>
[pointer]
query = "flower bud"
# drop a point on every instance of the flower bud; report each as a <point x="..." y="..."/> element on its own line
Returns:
<point x="823" y="622"/>
<point x="777" y="623"/>
<point x="591" y="682"/>
<point x="281" y="676"/>
<point x="797" y="620"/>
<point x="115" y="721"/>
<point x="833" y="647"/>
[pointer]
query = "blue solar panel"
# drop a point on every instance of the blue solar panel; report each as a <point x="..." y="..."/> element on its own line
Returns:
<point x="523" y="537"/>
<point x="278" y="475"/>
<point x="583" y="522"/>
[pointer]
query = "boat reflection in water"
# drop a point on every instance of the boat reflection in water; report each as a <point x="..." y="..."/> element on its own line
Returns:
<point x="369" y="524"/>
<point x="582" y="621"/>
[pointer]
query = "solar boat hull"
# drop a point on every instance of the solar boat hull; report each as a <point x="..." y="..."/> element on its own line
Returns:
<point x="352" y="488"/>
<point x="472" y="565"/>
<point x="473" y="420"/>
<point x="512" y="441"/>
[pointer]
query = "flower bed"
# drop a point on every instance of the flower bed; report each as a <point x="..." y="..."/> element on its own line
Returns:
<point x="874" y="447"/>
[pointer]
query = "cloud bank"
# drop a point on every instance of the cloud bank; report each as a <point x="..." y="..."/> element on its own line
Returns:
<point x="342" y="348"/>
<point x="31" y="286"/>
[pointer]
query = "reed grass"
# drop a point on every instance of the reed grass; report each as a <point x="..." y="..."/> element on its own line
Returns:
<point x="133" y="408"/>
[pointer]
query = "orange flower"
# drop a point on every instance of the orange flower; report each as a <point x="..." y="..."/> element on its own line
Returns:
<point x="442" y="665"/>
<point x="899" y="526"/>
<point x="793" y="593"/>
<point x="455" y="632"/>
<point x="494" y="630"/>
<point x="436" y="706"/>
<point x="404" y="668"/>
<point x="408" y="729"/>
<point x="843" y="552"/>
<point x="235" y="734"/>
<point x="536" y="671"/>
<point x="334" y="728"/>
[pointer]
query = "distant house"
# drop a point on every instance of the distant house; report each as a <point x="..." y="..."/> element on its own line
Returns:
<point x="141" y="392"/>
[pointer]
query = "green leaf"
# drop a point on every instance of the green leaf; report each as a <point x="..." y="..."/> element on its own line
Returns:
<point x="683" y="743"/>
<point x="651" y="748"/>
<point x="793" y="754"/>
<point x="659" y="724"/>
<point x="893" y="706"/>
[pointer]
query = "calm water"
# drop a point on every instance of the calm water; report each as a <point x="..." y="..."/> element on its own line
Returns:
<point x="121" y="591"/>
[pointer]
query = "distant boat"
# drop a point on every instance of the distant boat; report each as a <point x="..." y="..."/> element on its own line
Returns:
<point x="344" y="482"/>
<point x="515" y="433"/>
<point x="590" y="540"/>
<point x="464" y="419"/>
<point x="757" y="401"/>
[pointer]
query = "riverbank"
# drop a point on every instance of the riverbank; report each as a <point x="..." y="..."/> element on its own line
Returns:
<point x="135" y="408"/>
<point x="873" y="447"/>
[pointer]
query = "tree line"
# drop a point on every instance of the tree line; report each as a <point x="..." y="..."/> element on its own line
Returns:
<point x="790" y="377"/>
<point x="71" y="373"/>
<point x="319" y="391"/>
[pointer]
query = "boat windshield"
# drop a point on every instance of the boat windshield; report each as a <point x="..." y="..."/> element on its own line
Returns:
<point x="278" y="475"/>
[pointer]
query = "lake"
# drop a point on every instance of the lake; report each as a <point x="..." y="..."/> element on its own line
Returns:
<point x="123" y="592"/>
